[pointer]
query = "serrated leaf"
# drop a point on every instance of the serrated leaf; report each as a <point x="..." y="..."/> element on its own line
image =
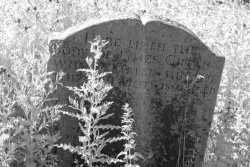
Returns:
<point x="106" y="116"/>
<point x="102" y="136"/>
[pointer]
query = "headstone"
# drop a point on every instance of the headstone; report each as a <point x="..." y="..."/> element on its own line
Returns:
<point x="156" y="67"/>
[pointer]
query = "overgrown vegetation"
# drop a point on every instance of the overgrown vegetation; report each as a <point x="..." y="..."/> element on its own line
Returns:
<point x="27" y="24"/>
<point x="26" y="117"/>
<point x="94" y="137"/>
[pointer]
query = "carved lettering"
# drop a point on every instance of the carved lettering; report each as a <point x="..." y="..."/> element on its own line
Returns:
<point x="164" y="88"/>
<point x="109" y="40"/>
<point x="161" y="47"/>
<point x="133" y="44"/>
<point x="205" y="65"/>
<point x="139" y="71"/>
<point x="107" y="54"/>
<point x="74" y="77"/>
<point x="89" y="37"/>
<point x="66" y="50"/>
<point x="153" y="46"/>
<point x="176" y="61"/>
<point x="69" y="64"/>
<point x="76" y="51"/>
<point x="150" y="59"/>
<point x="117" y="42"/>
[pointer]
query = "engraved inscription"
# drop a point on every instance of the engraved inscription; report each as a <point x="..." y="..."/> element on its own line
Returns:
<point x="174" y="56"/>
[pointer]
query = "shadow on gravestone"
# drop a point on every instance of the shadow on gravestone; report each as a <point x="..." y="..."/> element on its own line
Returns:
<point x="166" y="74"/>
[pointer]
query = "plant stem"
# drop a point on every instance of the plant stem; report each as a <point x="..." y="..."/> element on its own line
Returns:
<point x="89" y="132"/>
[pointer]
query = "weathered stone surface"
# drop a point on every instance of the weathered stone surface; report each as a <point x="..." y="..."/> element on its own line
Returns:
<point x="154" y="65"/>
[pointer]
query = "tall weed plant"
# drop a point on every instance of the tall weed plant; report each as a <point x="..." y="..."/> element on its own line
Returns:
<point x="26" y="116"/>
<point x="94" y="134"/>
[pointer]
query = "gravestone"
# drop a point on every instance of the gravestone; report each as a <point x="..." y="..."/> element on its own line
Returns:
<point x="166" y="74"/>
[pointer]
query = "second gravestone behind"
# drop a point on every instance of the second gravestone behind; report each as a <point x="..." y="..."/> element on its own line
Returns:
<point x="166" y="74"/>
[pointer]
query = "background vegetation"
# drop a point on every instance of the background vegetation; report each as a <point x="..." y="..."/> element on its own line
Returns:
<point x="223" y="25"/>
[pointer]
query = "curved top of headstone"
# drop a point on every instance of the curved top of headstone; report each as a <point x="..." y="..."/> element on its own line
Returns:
<point x="114" y="17"/>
